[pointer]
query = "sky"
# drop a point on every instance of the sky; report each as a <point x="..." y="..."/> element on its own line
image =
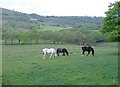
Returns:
<point x="59" y="7"/>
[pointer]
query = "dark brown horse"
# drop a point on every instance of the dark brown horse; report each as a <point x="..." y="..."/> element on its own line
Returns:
<point x="88" y="49"/>
<point x="62" y="50"/>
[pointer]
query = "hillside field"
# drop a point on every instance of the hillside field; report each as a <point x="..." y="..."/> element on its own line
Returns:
<point x="23" y="65"/>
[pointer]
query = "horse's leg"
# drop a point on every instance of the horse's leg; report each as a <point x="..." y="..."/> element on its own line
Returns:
<point x="63" y="53"/>
<point x="83" y="52"/>
<point x="50" y="55"/>
<point x="55" y="55"/>
<point x="88" y="53"/>
<point x="44" y="55"/>
<point x="58" y="53"/>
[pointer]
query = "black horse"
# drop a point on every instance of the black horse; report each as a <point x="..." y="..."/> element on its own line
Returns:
<point x="62" y="50"/>
<point x="87" y="48"/>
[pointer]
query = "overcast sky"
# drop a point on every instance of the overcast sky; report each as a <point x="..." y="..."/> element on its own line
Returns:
<point x="59" y="7"/>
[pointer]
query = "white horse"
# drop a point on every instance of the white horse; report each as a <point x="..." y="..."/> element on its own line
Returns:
<point x="51" y="52"/>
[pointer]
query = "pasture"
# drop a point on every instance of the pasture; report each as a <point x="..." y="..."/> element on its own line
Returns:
<point x="23" y="65"/>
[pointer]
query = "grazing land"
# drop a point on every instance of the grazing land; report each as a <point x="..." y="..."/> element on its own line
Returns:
<point x="23" y="65"/>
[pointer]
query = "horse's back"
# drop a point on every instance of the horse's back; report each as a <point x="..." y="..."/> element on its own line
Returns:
<point x="49" y="50"/>
<point x="45" y="49"/>
<point x="61" y="49"/>
<point x="85" y="47"/>
<point x="52" y="49"/>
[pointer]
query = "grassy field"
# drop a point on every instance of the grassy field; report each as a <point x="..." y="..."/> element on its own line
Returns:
<point x="23" y="65"/>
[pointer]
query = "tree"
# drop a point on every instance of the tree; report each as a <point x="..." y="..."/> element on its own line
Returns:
<point x="54" y="36"/>
<point x="22" y="37"/>
<point x="9" y="36"/>
<point x="35" y="35"/>
<point x="111" y="23"/>
<point x="67" y="36"/>
<point x="97" y="36"/>
<point x="78" y="37"/>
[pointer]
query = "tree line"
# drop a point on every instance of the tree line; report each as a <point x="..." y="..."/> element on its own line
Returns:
<point x="53" y="37"/>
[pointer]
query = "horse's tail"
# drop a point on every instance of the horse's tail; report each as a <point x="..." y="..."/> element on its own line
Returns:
<point x="92" y="51"/>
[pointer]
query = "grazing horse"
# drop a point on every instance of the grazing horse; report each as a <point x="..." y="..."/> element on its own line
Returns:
<point x="87" y="48"/>
<point x="62" y="50"/>
<point x="51" y="52"/>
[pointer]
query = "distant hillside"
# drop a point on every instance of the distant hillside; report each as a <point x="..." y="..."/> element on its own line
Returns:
<point x="13" y="20"/>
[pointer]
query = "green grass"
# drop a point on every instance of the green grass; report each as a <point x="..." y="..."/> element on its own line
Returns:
<point x="0" y="64"/>
<point x="23" y="65"/>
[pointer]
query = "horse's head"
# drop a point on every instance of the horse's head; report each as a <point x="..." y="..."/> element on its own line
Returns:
<point x="55" y="54"/>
